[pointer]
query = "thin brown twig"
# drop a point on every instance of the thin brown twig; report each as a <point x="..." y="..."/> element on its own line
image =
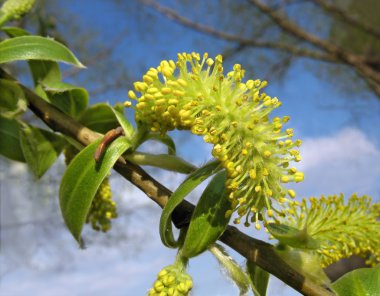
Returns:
<point x="349" y="19"/>
<point x="293" y="29"/>
<point x="332" y="53"/>
<point x="259" y="252"/>
<point x="301" y="52"/>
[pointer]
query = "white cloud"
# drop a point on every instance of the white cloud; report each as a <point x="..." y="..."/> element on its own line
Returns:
<point x="345" y="162"/>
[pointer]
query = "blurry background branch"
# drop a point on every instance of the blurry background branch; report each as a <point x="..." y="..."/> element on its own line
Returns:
<point x="242" y="41"/>
<point x="360" y="58"/>
<point x="349" y="19"/>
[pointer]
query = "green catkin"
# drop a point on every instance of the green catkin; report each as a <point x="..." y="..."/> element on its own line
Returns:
<point x="14" y="9"/>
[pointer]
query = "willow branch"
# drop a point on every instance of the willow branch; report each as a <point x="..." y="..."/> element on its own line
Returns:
<point x="259" y="252"/>
<point x="349" y="19"/>
<point x="242" y="41"/>
<point x="293" y="29"/>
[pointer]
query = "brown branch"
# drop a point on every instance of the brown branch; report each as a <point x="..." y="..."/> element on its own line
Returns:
<point x="259" y="252"/>
<point x="301" y="52"/>
<point x="349" y="19"/>
<point x="293" y="29"/>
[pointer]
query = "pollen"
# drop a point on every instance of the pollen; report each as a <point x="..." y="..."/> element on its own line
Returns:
<point x="338" y="226"/>
<point x="233" y="116"/>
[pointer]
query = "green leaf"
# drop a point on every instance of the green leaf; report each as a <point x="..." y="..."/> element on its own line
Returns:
<point x="70" y="99"/>
<point x="192" y="181"/>
<point x="293" y="237"/>
<point x="119" y="107"/>
<point x="15" y="31"/>
<point x="166" y="140"/>
<point x="100" y="118"/>
<point x="40" y="147"/>
<point x="81" y="181"/>
<point x="36" y="48"/>
<point x="231" y="268"/>
<point x="12" y="98"/>
<point x="163" y="161"/>
<point x="209" y="220"/>
<point x="44" y="72"/>
<point x="10" y="139"/>
<point x="259" y="279"/>
<point x="124" y="123"/>
<point x="359" y="282"/>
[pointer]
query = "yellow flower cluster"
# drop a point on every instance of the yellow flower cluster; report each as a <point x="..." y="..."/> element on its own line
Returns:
<point x="194" y="94"/>
<point x="103" y="208"/>
<point x="341" y="229"/>
<point x="171" y="281"/>
<point x="16" y="8"/>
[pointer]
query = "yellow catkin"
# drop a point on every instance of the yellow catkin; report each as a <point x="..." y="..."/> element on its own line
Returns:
<point x="232" y="115"/>
<point x="342" y="228"/>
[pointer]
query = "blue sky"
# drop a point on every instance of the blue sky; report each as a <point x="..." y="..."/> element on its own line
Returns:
<point x="340" y="154"/>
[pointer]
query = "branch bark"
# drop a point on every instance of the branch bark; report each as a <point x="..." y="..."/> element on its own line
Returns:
<point x="259" y="252"/>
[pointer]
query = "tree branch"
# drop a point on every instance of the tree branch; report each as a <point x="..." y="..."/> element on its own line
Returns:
<point x="301" y="52"/>
<point x="293" y="29"/>
<point x="331" y="53"/>
<point x="349" y="19"/>
<point x="259" y="252"/>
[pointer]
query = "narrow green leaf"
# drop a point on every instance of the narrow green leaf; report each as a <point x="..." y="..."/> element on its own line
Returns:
<point x="40" y="147"/>
<point x="81" y="181"/>
<point x="15" y="31"/>
<point x="36" y="48"/>
<point x="163" y="161"/>
<point x="359" y="282"/>
<point x="100" y="118"/>
<point x="293" y="237"/>
<point x="12" y="98"/>
<point x="124" y="123"/>
<point x="119" y="107"/>
<point x="259" y="279"/>
<point x="10" y="139"/>
<point x="209" y="220"/>
<point x="192" y="181"/>
<point x="231" y="268"/>
<point x="166" y="140"/>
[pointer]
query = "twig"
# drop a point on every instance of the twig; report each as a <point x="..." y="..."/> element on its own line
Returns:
<point x="293" y="29"/>
<point x="349" y="19"/>
<point x="259" y="252"/>
<point x="302" y="52"/>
